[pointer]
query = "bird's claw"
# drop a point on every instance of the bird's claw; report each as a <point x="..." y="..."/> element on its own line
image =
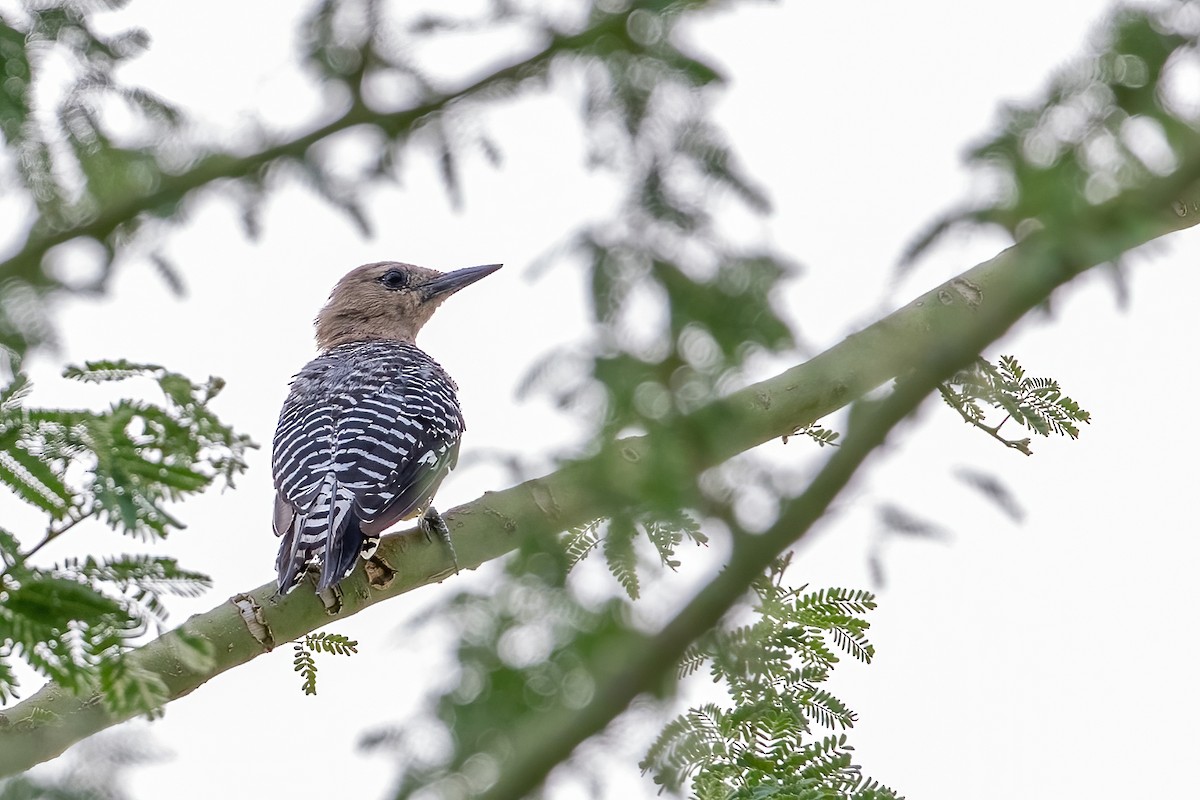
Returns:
<point x="432" y="524"/>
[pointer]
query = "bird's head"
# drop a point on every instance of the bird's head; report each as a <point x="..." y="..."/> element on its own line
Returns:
<point x="388" y="300"/>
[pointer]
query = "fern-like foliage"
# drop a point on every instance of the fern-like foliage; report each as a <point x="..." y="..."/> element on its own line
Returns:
<point x="667" y="533"/>
<point x="764" y="744"/>
<point x="617" y="537"/>
<point x="1038" y="404"/>
<point x="620" y="554"/>
<point x="72" y="620"/>
<point x="579" y="542"/>
<point x="821" y="435"/>
<point x="304" y="655"/>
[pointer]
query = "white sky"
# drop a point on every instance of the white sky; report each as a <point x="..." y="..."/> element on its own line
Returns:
<point x="1035" y="660"/>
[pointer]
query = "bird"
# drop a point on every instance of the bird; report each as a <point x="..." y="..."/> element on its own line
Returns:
<point x="370" y="427"/>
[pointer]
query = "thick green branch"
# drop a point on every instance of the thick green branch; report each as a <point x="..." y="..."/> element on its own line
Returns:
<point x="945" y="326"/>
<point x="948" y="328"/>
<point x="639" y="667"/>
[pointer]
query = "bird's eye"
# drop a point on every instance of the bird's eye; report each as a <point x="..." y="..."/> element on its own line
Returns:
<point x="394" y="279"/>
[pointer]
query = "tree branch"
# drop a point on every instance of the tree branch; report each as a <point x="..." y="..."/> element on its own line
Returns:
<point x="171" y="190"/>
<point x="976" y="309"/>
<point x="924" y="340"/>
<point x="1021" y="445"/>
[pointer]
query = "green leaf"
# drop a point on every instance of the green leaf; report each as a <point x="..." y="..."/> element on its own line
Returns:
<point x="107" y="371"/>
<point x="333" y="643"/>
<point x="1035" y="403"/>
<point x="762" y="745"/>
<point x="60" y="600"/>
<point x="12" y="396"/>
<point x="129" y="688"/>
<point x="34" y="482"/>
<point x="620" y="555"/>
<point x="303" y="655"/>
<point x="579" y="542"/>
<point x="304" y="663"/>
<point x="8" y="679"/>
<point x="10" y="550"/>
<point x="122" y="466"/>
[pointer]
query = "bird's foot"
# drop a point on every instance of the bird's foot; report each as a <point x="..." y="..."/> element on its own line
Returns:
<point x="432" y="524"/>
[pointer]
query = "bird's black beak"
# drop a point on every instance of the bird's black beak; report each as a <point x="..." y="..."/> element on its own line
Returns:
<point x="445" y="285"/>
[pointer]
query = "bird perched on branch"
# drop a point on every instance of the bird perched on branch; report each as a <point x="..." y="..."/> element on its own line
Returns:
<point x="371" y="425"/>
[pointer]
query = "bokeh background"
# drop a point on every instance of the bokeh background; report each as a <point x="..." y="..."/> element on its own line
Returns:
<point x="1040" y="656"/>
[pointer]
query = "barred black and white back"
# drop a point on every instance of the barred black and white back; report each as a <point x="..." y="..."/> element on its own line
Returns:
<point x="365" y="438"/>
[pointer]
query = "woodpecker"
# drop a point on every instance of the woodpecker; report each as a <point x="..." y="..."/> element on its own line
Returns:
<point x="370" y="427"/>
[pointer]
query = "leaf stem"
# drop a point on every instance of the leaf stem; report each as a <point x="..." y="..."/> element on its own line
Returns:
<point x="53" y="533"/>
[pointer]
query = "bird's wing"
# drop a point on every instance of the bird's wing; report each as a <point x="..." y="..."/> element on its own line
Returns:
<point x="352" y="461"/>
<point x="395" y="447"/>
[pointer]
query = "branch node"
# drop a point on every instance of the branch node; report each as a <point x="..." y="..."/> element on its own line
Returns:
<point x="968" y="291"/>
<point x="379" y="573"/>
<point x="251" y="614"/>
<point x="542" y="497"/>
<point x="331" y="599"/>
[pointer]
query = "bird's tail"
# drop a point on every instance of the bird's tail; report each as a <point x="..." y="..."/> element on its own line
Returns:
<point x="327" y="535"/>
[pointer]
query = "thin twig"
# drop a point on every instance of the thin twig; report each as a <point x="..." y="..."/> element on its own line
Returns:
<point x="53" y="533"/>
<point x="172" y="189"/>
<point x="1016" y="444"/>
